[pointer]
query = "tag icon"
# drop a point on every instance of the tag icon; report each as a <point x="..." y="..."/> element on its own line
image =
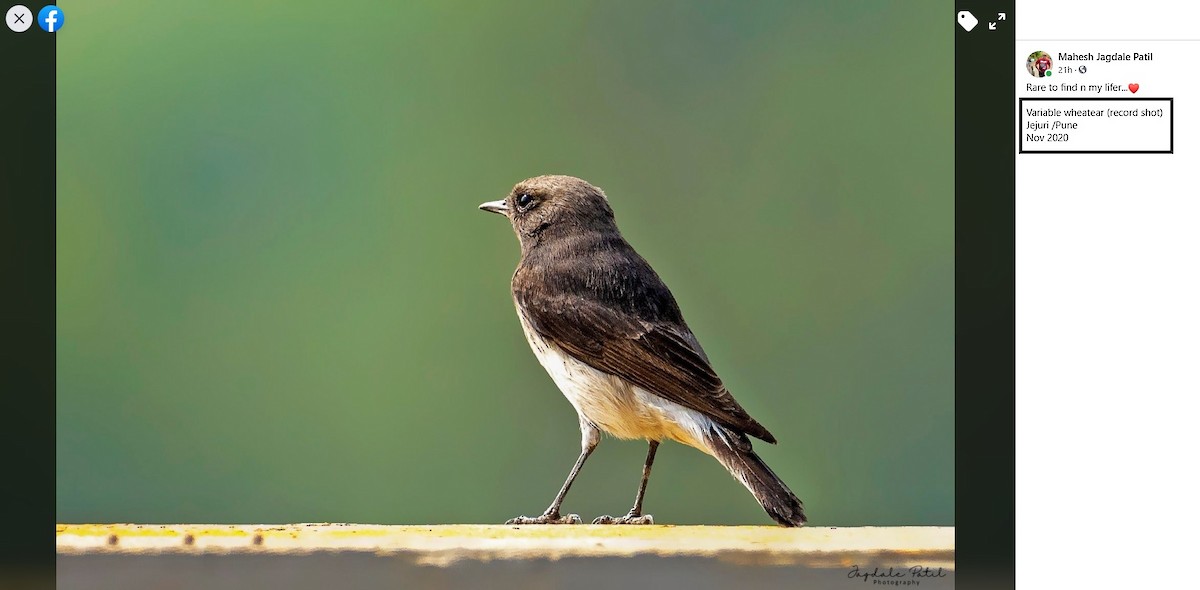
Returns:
<point x="967" y="20"/>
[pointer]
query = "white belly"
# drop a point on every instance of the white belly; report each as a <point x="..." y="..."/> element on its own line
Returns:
<point x="614" y="405"/>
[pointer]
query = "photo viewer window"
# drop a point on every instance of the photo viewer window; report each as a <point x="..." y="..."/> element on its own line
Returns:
<point x="414" y="294"/>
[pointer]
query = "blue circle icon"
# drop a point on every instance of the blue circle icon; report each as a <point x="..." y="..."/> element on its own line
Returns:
<point x="51" y="19"/>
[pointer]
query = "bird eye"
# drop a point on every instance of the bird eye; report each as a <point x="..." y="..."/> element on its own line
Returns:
<point x="524" y="201"/>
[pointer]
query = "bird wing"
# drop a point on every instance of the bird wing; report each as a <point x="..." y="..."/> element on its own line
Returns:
<point x="663" y="358"/>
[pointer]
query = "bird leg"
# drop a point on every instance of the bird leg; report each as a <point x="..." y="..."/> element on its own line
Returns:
<point x="635" y="515"/>
<point x="590" y="438"/>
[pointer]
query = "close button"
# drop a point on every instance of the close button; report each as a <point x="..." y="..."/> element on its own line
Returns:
<point x="18" y="18"/>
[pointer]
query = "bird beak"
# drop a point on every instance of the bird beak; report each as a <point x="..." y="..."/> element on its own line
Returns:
<point x="496" y="207"/>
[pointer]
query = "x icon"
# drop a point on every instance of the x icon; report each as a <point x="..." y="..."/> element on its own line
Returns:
<point x="18" y="19"/>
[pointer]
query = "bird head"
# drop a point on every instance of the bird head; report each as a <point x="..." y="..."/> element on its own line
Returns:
<point x="546" y="208"/>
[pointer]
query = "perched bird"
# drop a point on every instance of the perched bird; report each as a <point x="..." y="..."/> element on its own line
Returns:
<point x="610" y="334"/>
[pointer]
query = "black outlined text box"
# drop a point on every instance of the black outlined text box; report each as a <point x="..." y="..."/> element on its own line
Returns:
<point x="1082" y="125"/>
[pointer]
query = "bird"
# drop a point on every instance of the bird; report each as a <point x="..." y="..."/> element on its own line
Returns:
<point x="611" y="336"/>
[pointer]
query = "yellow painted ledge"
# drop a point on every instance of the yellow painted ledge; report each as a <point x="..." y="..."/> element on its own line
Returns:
<point x="827" y="547"/>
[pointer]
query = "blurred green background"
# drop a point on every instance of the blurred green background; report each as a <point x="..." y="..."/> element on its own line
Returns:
<point x="278" y="302"/>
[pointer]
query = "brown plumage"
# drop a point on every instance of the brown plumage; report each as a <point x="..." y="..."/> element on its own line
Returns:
<point x="611" y="335"/>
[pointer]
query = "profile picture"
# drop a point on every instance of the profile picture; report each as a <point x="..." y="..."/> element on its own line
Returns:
<point x="1039" y="64"/>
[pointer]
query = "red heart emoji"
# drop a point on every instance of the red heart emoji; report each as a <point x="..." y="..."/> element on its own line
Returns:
<point x="1134" y="88"/>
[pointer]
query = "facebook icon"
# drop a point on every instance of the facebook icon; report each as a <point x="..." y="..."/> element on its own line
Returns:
<point x="51" y="19"/>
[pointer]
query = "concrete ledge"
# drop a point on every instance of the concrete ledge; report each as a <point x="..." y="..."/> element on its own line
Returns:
<point x="444" y="544"/>
<point x="499" y="556"/>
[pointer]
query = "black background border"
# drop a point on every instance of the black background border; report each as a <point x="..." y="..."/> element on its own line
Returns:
<point x="27" y="283"/>
<point x="985" y="299"/>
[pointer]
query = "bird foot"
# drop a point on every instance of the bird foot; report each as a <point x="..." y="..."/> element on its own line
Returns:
<point x="627" y="519"/>
<point x="546" y="519"/>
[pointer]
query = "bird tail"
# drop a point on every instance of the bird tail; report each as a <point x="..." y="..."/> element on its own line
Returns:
<point x="734" y="451"/>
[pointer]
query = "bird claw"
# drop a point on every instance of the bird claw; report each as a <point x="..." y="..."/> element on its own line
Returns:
<point x="546" y="519"/>
<point x="627" y="519"/>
